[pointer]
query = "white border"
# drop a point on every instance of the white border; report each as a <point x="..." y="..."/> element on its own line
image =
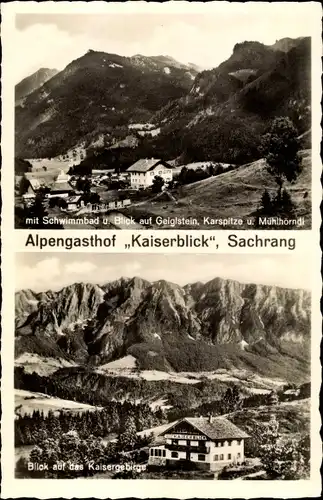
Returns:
<point x="307" y="243"/>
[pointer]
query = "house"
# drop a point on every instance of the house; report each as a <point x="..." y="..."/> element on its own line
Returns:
<point x="103" y="172"/>
<point x="143" y="172"/>
<point x="211" y="443"/>
<point x="28" y="199"/>
<point x="74" y="202"/>
<point x="34" y="186"/>
<point x="119" y="203"/>
<point x="61" y="190"/>
<point x="124" y="176"/>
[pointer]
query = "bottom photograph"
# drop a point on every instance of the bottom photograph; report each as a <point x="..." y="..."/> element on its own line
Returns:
<point x="150" y="366"/>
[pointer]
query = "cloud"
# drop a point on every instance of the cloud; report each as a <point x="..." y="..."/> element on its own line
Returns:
<point x="291" y="271"/>
<point x="42" y="275"/>
<point x="80" y="267"/>
<point x="43" y="46"/>
<point x="206" y="39"/>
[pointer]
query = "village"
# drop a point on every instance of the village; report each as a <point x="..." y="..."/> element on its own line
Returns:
<point x="63" y="188"/>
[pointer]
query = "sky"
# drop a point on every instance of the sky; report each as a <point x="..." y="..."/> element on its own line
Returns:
<point x="206" y="39"/>
<point x="53" y="271"/>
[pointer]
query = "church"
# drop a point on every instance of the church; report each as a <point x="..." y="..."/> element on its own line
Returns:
<point x="211" y="442"/>
<point x="61" y="187"/>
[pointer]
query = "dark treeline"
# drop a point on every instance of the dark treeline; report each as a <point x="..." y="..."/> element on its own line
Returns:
<point x="202" y="398"/>
<point x="115" y="418"/>
<point x="86" y="386"/>
<point x="190" y="175"/>
<point x="22" y="166"/>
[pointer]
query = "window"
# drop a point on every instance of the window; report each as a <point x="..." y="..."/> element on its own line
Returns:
<point x="175" y="441"/>
<point x="151" y="452"/>
<point x="238" y="455"/>
<point x="216" y="458"/>
<point x="174" y="454"/>
<point x="201" y="458"/>
<point x="229" y="443"/>
<point x="164" y="453"/>
<point x="194" y="443"/>
<point x="221" y="457"/>
<point x="229" y="456"/>
<point x="239" y="441"/>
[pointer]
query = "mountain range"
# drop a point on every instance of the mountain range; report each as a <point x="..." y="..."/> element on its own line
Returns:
<point x="198" y="327"/>
<point x="217" y="114"/>
<point x="94" y="94"/>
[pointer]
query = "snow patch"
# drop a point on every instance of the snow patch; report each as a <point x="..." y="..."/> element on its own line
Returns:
<point x="32" y="302"/>
<point x="243" y="344"/>
<point x="26" y="402"/>
<point x="157" y="336"/>
<point x="44" y="366"/>
<point x="190" y="337"/>
<point x="125" y="362"/>
<point x="167" y="70"/>
<point x="115" y="65"/>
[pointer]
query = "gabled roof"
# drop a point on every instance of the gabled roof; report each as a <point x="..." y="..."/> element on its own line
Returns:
<point x="74" y="199"/>
<point x="218" y="428"/>
<point x="144" y="165"/>
<point x="62" y="186"/>
<point x="35" y="184"/>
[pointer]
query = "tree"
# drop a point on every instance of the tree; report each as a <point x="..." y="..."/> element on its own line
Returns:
<point x="281" y="458"/>
<point x="158" y="184"/>
<point x="280" y="147"/>
<point x="52" y="202"/>
<point x="22" y="166"/>
<point x="273" y="398"/>
<point x="231" y="400"/>
<point x="37" y="210"/>
<point x="62" y="203"/>
<point x="83" y="185"/>
<point x="23" y="185"/>
<point x="128" y="438"/>
<point x="266" y="204"/>
<point x="286" y="202"/>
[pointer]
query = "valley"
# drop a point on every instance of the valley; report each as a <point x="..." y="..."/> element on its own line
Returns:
<point x="104" y="112"/>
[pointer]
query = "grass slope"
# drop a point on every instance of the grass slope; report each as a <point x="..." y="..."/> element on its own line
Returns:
<point x="232" y="194"/>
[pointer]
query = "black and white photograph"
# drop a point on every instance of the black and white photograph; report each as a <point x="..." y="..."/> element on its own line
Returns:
<point x="169" y="120"/>
<point x="162" y="366"/>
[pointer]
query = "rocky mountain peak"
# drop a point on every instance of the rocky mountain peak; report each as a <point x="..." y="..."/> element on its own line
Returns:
<point x="239" y="322"/>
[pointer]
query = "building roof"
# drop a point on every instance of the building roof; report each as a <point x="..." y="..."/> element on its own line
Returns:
<point x="62" y="177"/>
<point x="61" y="186"/>
<point x="143" y="165"/>
<point x="28" y="195"/>
<point x="35" y="184"/>
<point x="217" y="428"/>
<point x="74" y="199"/>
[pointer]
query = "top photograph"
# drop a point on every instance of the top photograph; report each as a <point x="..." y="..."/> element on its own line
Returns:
<point x="162" y="121"/>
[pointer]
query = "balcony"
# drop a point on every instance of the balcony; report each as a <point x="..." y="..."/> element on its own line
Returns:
<point x="191" y="449"/>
